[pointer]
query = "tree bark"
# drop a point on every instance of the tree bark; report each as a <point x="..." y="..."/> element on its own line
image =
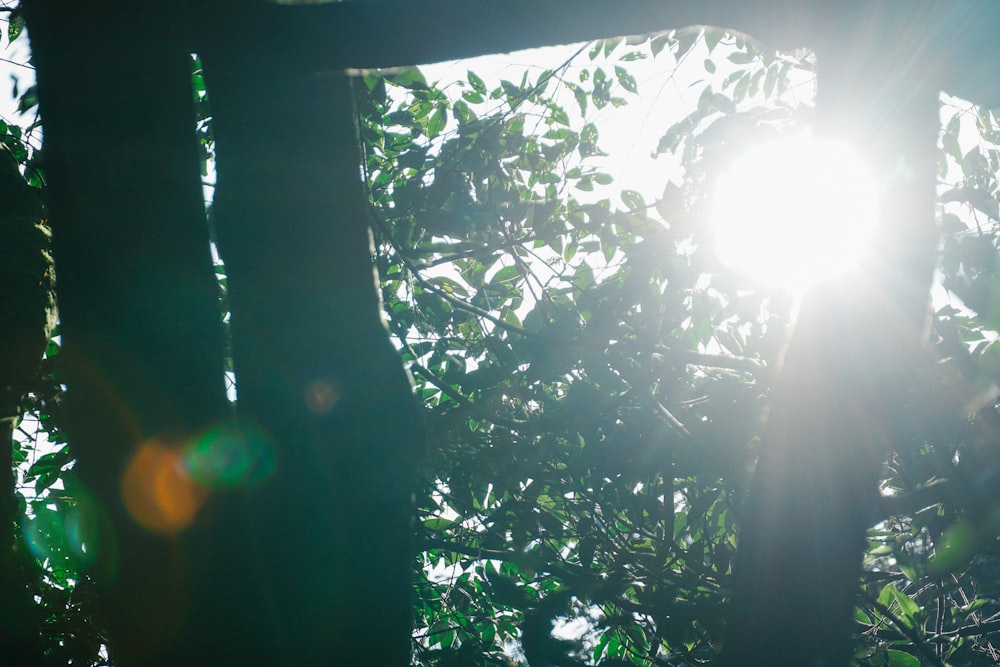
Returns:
<point x="142" y="352"/>
<point x="333" y="554"/>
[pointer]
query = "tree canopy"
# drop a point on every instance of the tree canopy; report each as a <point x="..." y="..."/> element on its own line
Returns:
<point x="595" y="384"/>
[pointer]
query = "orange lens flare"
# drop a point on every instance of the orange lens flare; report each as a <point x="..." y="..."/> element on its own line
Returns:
<point x="158" y="491"/>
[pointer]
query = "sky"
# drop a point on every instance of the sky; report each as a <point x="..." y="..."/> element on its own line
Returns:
<point x="629" y="134"/>
<point x="13" y="57"/>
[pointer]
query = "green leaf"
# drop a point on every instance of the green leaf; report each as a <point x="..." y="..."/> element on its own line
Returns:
<point x="438" y="524"/>
<point x="28" y="101"/>
<point x="632" y="200"/>
<point x="476" y="82"/>
<point x="626" y="80"/>
<point x="908" y="571"/>
<point x="770" y="80"/>
<point x="51" y="462"/>
<point x="511" y="318"/>
<point x="505" y="275"/>
<point x="15" y="25"/>
<point x="705" y="100"/>
<point x="408" y="77"/>
<point x="448" y="285"/>
<point x="46" y="480"/>
<point x="612" y="44"/>
<point x="901" y="659"/>
<point x="657" y="44"/>
<point x="975" y="605"/>
<point x="712" y="38"/>
<point x="472" y="97"/>
<point x="909" y="608"/>
<point x="437" y="121"/>
<point x="741" y="57"/>
<point x="740" y="90"/>
<point x="686" y="39"/>
<point x="723" y="103"/>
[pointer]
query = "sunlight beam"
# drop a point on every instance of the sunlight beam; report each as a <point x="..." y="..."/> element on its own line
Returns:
<point x="793" y="212"/>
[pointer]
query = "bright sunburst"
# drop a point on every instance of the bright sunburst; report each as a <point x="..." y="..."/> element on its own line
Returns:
<point x="795" y="211"/>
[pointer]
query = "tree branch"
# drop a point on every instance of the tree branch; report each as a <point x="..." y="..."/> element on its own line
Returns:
<point x="343" y="35"/>
<point x="353" y="34"/>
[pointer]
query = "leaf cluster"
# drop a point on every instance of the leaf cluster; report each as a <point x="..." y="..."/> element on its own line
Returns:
<point x="594" y="383"/>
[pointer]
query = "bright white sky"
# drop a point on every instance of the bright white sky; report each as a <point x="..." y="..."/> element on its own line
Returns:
<point x="781" y="250"/>
<point x="629" y="134"/>
<point x="12" y="59"/>
<point x="667" y="93"/>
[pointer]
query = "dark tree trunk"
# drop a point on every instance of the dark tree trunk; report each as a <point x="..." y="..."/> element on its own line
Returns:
<point x="313" y="566"/>
<point x="142" y="342"/>
<point x="315" y="369"/>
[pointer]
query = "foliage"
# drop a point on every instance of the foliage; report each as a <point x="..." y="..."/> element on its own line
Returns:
<point x="594" y="383"/>
<point x="41" y="455"/>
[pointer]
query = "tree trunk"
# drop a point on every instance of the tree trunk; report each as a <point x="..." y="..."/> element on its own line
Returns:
<point x="142" y="347"/>
<point x="839" y="395"/>
<point x="315" y="369"/>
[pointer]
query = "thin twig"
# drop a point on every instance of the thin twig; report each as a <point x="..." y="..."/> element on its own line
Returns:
<point x="910" y="634"/>
<point x="14" y="62"/>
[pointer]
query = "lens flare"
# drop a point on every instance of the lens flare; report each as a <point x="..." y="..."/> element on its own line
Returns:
<point x="322" y="395"/>
<point x="167" y="482"/>
<point x="71" y="532"/>
<point x="235" y="454"/>
<point x="158" y="491"/>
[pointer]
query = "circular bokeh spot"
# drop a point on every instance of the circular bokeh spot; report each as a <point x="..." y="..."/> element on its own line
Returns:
<point x="230" y="455"/>
<point x="158" y="491"/>
<point x="322" y="395"/>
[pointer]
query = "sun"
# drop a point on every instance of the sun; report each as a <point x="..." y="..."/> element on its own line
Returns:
<point x="794" y="212"/>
